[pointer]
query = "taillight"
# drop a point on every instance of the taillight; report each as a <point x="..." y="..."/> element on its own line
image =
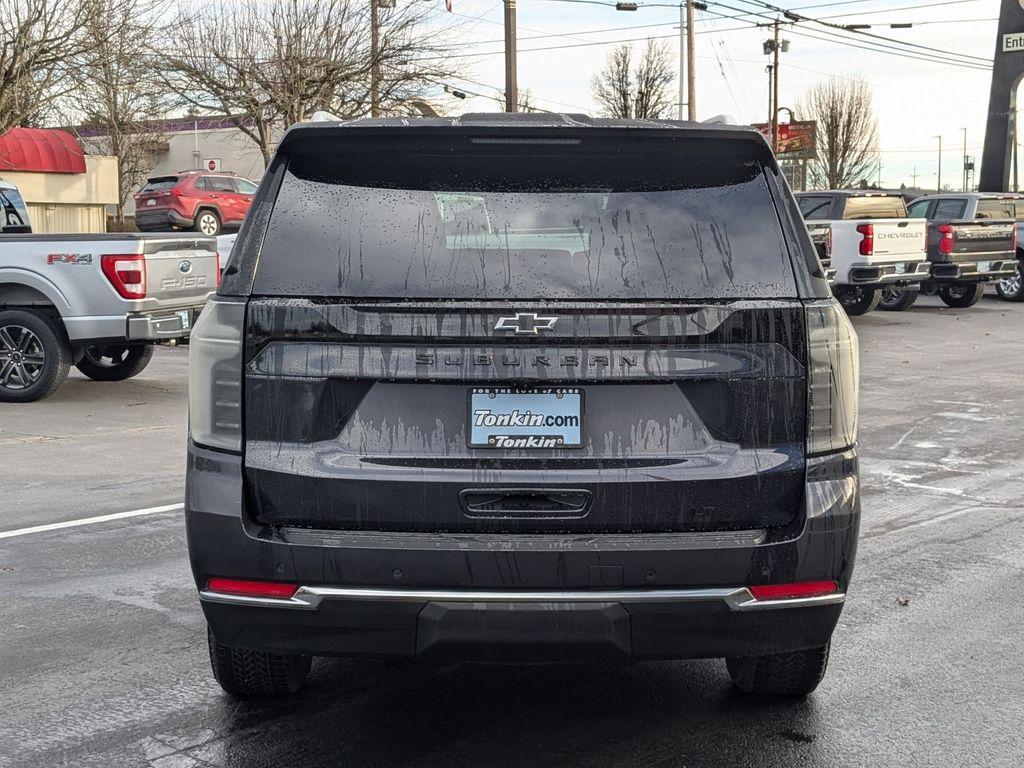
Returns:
<point x="127" y="273"/>
<point x="867" y="239"/>
<point x="947" y="238"/>
<point x="833" y="378"/>
<point x="250" y="588"/>
<point x="177" y="192"/>
<point x="215" y="376"/>
<point x="796" y="589"/>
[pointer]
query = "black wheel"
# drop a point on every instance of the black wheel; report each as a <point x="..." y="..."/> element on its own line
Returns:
<point x="243" y="672"/>
<point x="115" y="362"/>
<point x="897" y="299"/>
<point x="1012" y="288"/>
<point x="858" y="300"/>
<point x="34" y="356"/>
<point x="207" y="222"/>
<point x="779" y="674"/>
<point x="961" y="296"/>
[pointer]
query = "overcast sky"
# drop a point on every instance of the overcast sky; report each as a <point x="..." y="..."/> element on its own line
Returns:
<point x="914" y="100"/>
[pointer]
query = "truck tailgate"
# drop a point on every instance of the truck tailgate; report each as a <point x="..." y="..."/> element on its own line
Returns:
<point x="972" y="240"/>
<point x="181" y="271"/>
<point x="900" y="238"/>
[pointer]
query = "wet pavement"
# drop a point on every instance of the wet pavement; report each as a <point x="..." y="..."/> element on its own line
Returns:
<point x="102" y="644"/>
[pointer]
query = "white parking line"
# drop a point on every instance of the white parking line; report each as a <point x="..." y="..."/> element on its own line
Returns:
<point x="90" y="520"/>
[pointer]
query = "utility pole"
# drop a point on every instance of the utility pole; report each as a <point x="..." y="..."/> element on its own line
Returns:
<point x="775" y="90"/>
<point x="913" y="176"/>
<point x="691" y="69"/>
<point x="682" y="59"/>
<point x="374" y="60"/>
<point x="964" y="130"/>
<point x="771" y="105"/>
<point x="511" y="87"/>
<point x="938" y="183"/>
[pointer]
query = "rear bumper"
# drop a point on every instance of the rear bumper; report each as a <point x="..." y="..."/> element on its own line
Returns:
<point x="161" y="220"/>
<point x="897" y="273"/>
<point x="520" y="597"/>
<point x="973" y="272"/>
<point x="162" y="325"/>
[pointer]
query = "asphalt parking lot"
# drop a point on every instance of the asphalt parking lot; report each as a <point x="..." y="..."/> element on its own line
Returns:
<point x="102" y="644"/>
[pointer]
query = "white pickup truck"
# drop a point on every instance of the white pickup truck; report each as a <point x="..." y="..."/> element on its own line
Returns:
<point x="871" y="242"/>
<point x="98" y="302"/>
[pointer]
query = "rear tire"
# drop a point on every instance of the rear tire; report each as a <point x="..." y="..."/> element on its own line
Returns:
<point x="35" y="357"/>
<point x="897" y="299"/>
<point x="858" y="300"/>
<point x="207" y="223"/>
<point x="1012" y="288"/>
<point x="961" y="296"/>
<point x="246" y="673"/>
<point x="780" y="674"/>
<point x="115" y="362"/>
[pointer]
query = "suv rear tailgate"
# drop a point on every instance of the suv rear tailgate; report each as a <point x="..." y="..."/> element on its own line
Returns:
<point x="638" y="291"/>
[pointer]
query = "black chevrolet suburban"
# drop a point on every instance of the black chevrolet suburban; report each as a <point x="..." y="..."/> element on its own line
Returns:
<point x="517" y="389"/>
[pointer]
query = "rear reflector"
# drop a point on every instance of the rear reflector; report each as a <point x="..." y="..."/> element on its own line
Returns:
<point x="252" y="588"/>
<point x="798" y="589"/>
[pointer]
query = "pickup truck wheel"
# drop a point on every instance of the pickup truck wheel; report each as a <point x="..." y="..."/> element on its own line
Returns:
<point x="115" y="362"/>
<point x="779" y="674"/>
<point x="243" y="672"/>
<point x="208" y="223"/>
<point x="34" y="356"/>
<point x="961" y="296"/>
<point x="858" y="300"/>
<point x="897" y="299"/>
<point x="1012" y="288"/>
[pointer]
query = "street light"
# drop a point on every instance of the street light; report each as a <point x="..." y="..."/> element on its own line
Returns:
<point x="938" y="182"/>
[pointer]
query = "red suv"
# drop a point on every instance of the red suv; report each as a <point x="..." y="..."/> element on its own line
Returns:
<point x="198" y="200"/>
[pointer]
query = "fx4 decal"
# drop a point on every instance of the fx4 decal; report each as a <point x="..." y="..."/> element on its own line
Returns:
<point x="69" y="258"/>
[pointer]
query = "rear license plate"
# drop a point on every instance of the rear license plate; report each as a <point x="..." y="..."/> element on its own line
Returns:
<point x="900" y="266"/>
<point x="529" y="419"/>
<point x="185" y="316"/>
<point x="984" y="266"/>
<point x="151" y="202"/>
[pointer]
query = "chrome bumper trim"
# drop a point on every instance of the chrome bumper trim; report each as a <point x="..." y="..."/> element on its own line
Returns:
<point x="736" y="598"/>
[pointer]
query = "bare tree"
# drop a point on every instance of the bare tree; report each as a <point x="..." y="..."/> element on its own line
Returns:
<point x="39" y="41"/>
<point x="526" y="101"/>
<point x="641" y="92"/>
<point x="118" y="92"/>
<point x="269" y="63"/>
<point x="847" y="132"/>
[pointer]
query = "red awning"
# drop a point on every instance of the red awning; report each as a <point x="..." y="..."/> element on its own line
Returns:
<point x="42" y="150"/>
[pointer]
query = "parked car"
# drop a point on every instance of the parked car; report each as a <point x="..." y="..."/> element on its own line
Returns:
<point x="208" y="203"/>
<point x="965" y="254"/>
<point x="871" y="243"/>
<point x="511" y="405"/>
<point x="981" y="205"/>
<point x="98" y="302"/>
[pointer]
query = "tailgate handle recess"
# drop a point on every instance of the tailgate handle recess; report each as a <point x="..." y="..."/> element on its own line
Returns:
<point x="526" y="503"/>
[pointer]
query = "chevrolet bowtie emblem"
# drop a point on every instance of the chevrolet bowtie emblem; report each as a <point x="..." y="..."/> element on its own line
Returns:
<point x="526" y="324"/>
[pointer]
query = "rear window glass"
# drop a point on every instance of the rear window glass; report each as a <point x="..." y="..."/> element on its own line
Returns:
<point x="875" y="207"/>
<point x="996" y="209"/>
<point x="950" y="209"/>
<point x="652" y="220"/>
<point x="815" y="207"/>
<point x="160" y="184"/>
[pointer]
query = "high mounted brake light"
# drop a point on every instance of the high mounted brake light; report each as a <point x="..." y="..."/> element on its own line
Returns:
<point x="127" y="273"/>
<point x="867" y="239"/>
<point x="947" y="238"/>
